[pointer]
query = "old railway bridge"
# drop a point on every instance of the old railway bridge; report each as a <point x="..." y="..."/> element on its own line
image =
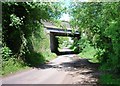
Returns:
<point x="55" y="31"/>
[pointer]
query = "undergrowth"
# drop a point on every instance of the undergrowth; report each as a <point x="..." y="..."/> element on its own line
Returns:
<point x="89" y="53"/>
<point x="12" y="65"/>
<point x="109" y="80"/>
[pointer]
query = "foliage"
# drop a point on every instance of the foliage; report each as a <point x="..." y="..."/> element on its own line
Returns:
<point x="109" y="79"/>
<point x="23" y="32"/>
<point x="64" y="42"/>
<point x="89" y="53"/>
<point x="100" y="23"/>
<point x="77" y="45"/>
<point x="6" y="53"/>
<point x="49" y="56"/>
<point x="34" y="59"/>
<point x="10" y="62"/>
<point x="12" y="65"/>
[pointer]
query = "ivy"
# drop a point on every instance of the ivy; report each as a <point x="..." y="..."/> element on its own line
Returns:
<point x="22" y="23"/>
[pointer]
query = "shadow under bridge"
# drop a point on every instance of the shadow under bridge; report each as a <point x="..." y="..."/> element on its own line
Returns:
<point x="60" y="32"/>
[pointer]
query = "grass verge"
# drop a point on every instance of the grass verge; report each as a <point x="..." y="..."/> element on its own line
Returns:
<point x="12" y="65"/>
<point x="89" y="52"/>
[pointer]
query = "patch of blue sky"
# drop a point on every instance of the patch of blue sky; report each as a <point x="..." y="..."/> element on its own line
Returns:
<point x="65" y="16"/>
<point x="66" y="3"/>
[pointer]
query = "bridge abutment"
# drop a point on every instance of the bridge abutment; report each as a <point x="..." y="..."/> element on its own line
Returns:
<point x="53" y="43"/>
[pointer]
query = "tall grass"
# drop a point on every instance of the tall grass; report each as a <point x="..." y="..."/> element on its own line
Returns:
<point x="12" y="65"/>
<point x="89" y="53"/>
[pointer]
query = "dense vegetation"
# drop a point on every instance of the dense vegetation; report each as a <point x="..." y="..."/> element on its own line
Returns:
<point x="99" y="25"/>
<point x="25" y="42"/>
<point x="64" y="42"/>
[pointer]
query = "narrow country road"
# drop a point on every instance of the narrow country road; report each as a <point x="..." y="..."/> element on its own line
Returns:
<point x="65" y="69"/>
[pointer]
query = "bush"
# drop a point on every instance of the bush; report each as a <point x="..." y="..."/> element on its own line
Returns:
<point x="34" y="59"/>
<point x="12" y="65"/>
<point x="109" y="80"/>
<point x="6" y="53"/>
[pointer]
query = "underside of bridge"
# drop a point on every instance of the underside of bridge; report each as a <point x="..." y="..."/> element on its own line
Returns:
<point x="59" y="32"/>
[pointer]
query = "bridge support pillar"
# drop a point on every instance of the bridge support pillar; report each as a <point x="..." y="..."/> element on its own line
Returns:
<point x="53" y="43"/>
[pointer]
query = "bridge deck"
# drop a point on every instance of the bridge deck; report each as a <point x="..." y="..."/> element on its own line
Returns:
<point x="62" y="32"/>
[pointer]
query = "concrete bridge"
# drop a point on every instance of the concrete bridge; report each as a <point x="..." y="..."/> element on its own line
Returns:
<point x="59" y="32"/>
<point x="54" y="31"/>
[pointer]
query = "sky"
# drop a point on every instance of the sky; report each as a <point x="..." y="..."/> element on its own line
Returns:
<point x="66" y="17"/>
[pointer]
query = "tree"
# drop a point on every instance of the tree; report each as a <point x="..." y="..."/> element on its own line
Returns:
<point x="22" y="20"/>
<point x="100" y="22"/>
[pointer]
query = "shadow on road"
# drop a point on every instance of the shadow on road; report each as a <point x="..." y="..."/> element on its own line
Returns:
<point x="66" y="53"/>
<point x="80" y="68"/>
<point x="76" y="64"/>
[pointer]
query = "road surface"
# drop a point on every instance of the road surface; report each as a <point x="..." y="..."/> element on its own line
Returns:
<point x="65" y="69"/>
